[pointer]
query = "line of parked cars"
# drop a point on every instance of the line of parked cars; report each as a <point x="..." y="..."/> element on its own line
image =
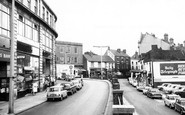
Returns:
<point x="62" y="90"/>
<point x="173" y="95"/>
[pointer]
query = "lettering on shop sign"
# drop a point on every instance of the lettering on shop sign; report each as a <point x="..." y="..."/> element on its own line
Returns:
<point x="172" y="68"/>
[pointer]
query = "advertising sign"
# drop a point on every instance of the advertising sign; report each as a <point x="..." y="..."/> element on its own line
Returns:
<point x="172" y="68"/>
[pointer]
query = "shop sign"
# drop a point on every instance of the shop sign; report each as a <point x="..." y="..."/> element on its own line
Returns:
<point x="172" y="68"/>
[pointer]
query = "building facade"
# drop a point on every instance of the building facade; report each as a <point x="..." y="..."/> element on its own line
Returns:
<point x="147" y="40"/>
<point x="121" y="59"/>
<point x="95" y="64"/>
<point x="69" y="54"/>
<point x="35" y="36"/>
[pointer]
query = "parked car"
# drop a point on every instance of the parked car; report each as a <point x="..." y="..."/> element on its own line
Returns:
<point x="78" y="83"/>
<point x="179" y="88"/>
<point x="180" y="93"/>
<point x="70" y="87"/>
<point x="170" y="99"/>
<point x="56" y="92"/>
<point x="140" y="87"/>
<point x="170" y="89"/>
<point x="115" y="83"/>
<point x="180" y="105"/>
<point x="160" y="87"/>
<point x="154" y="93"/>
<point x="145" y="90"/>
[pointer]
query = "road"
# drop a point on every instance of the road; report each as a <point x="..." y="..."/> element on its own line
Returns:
<point x="143" y="104"/>
<point x="90" y="100"/>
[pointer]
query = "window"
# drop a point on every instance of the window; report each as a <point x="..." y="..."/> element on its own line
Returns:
<point x="92" y="64"/>
<point x="47" y="17"/>
<point x="67" y="49"/>
<point x="35" y="7"/>
<point x="29" y="3"/>
<point x="68" y="59"/>
<point x="28" y="29"/>
<point x="50" y="20"/>
<point x="35" y="33"/>
<point x="43" y="13"/>
<point x="99" y="64"/>
<point x="4" y="20"/>
<point x="76" y="50"/>
<point x="62" y="59"/>
<point x="76" y="59"/>
<point x="62" y="49"/>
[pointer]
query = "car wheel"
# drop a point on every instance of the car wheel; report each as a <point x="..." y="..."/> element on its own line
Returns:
<point x="170" y="106"/>
<point x="48" y="99"/>
<point x="181" y="112"/>
<point x="165" y="103"/>
<point x="175" y="108"/>
<point x="61" y="98"/>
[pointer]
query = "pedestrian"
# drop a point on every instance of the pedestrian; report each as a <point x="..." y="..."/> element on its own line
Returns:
<point x="34" y="88"/>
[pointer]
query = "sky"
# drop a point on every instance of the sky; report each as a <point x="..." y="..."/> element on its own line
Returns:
<point x="117" y="23"/>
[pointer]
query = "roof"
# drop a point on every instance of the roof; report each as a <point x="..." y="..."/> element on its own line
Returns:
<point x="97" y="58"/>
<point x="116" y="53"/>
<point x="135" y="56"/>
<point x="68" y="43"/>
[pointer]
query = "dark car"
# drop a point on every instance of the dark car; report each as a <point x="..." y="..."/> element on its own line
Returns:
<point x="180" y="105"/>
<point x="154" y="93"/>
<point x="115" y="83"/>
<point x="70" y="87"/>
<point x="180" y="93"/>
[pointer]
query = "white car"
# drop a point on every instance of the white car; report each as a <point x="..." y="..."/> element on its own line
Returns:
<point x="179" y="88"/>
<point x="170" y="99"/>
<point x="145" y="90"/>
<point x="78" y="83"/>
<point x="170" y="88"/>
<point x="56" y="92"/>
<point x="160" y="87"/>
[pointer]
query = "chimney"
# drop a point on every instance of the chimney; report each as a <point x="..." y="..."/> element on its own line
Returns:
<point x="166" y="37"/>
<point x="154" y="47"/>
<point x="171" y="40"/>
<point x="124" y="51"/>
<point x="119" y="50"/>
<point x="184" y="43"/>
<point x="109" y="48"/>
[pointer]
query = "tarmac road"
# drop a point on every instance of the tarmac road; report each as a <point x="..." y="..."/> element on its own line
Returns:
<point x="90" y="100"/>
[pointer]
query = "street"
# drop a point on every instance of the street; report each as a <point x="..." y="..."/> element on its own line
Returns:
<point x="143" y="104"/>
<point x="90" y="100"/>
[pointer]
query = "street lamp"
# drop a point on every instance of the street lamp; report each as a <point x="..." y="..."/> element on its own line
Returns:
<point x="12" y="55"/>
<point x="101" y="56"/>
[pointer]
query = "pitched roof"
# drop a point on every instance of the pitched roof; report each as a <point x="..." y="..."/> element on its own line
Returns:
<point x="116" y="53"/>
<point x="97" y="58"/>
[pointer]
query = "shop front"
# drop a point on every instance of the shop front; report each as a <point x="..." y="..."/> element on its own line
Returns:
<point x="96" y="73"/>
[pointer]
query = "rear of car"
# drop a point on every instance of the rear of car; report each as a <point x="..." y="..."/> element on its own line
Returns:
<point x="56" y="92"/>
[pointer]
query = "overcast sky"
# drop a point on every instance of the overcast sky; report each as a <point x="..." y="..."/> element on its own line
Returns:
<point x="117" y="23"/>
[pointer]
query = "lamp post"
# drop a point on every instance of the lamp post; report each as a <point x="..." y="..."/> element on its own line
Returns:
<point x="11" y="82"/>
<point x="101" y="56"/>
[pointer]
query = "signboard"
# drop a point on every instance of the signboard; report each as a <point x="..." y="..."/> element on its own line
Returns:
<point x="172" y="68"/>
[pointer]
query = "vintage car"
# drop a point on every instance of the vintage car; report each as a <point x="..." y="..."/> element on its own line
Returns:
<point x="140" y="87"/>
<point x="160" y="87"/>
<point x="115" y="83"/>
<point x="145" y="90"/>
<point x="170" y="99"/>
<point x="154" y="93"/>
<point x="171" y="88"/>
<point x="180" y="105"/>
<point x="70" y="87"/>
<point x="56" y="92"/>
<point x="179" y="88"/>
<point x="78" y="83"/>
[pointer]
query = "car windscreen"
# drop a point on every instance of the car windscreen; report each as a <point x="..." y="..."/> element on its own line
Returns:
<point x="54" y="89"/>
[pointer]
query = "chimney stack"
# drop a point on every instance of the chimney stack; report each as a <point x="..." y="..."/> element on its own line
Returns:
<point x="166" y="37"/>
<point x="184" y="43"/>
<point x="124" y="51"/>
<point x="119" y="50"/>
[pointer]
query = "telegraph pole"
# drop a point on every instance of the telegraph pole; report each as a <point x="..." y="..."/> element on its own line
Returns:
<point x="101" y="57"/>
<point x="11" y="82"/>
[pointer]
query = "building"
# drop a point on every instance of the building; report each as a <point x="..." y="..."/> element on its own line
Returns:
<point x="35" y="35"/>
<point x="147" y="40"/>
<point x="69" y="58"/>
<point x="164" y="66"/>
<point x="121" y="59"/>
<point x="94" y="64"/>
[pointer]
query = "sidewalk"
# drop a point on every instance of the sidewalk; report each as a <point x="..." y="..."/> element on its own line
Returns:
<point x="23" y="103"/>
